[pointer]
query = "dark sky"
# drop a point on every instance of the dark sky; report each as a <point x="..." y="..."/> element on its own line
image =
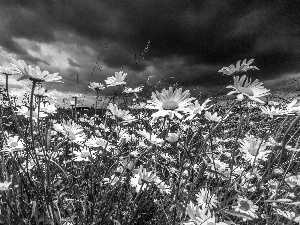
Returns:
<point x="190" y="40"/>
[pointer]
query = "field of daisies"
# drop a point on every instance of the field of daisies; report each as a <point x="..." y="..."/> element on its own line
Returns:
<point x="168" y="159"/>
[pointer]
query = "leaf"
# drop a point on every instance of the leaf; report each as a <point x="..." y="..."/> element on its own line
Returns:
<point x="279" y="200"/>
<point x="239" y="214"/>
<point x="293" y="203"/>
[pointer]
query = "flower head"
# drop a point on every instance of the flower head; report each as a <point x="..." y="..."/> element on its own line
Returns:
<point x="272" y="111"/>
<point x="244" y="87"/>
<point x="196" y="108"/>
<point x="238" y="68"/>
<point x="8" y="70"/>
<point x="4" y="185"/>
<point x="14" y="144"/>
<point x="121" y="114"/>
<point x="96" y="86"/>
<point x="169" y="102"/>
<point x="118" y="79"/>
<point x="253" y="149"/>
<point x="246" y="206"/>
<point x="73" y="131"/>
<point x="34" y="73"/>
<point x="206" y="199"/>
<point x="133" y="90"/>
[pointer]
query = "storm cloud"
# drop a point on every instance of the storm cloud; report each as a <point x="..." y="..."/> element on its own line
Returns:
<point x="189" y="40"/>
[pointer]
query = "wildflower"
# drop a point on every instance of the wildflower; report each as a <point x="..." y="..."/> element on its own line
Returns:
<point x="212" y="117"/>
<point x="244" y="87"/>
<point x="134" y="90"/>
<point x="272" y="111"/>
<point x="48" y="108"/>
<point x="77" y="95"/>
<point x="151" y="137"/>
<point x="246" y="206"/>
<point x="169" y="103"/>
<point x="206" y="199"/>
<point x="119" y="113"/>
<point x="4" y="185"/>
<point x="118" y="79"/>
<point x="289" y="215"/>
<point x="13" y="144"/>
<point x="40" y="92"/>
<point x="96" y="86"/>
<point x="162" y="186"/>
<point x="34" y="73"/>
<point x="142" y="177"/>
<point x="96" y="142"/>
<point x="145" y="176"/>
<point x="137" y="182"/>
<point x="200" y="217"/>
<point x="73" y="131"/>
<point x="172" y="137"/>
<point x="196" y="108"/>
<point x="293" y="107"/>
<point x="238" y="68"/>
<point x="217" y="166"/>
<point x="8" y="71"/>
<point x="82" y="155"/>
<point x="293" y="180"/>
<point x="23" y="110"/>
<point x="252" y="147"/>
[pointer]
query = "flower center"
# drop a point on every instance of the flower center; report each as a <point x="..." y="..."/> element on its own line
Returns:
<point x="252" y="151"/>
<point x="245" y="205"/>
<point x="246" y="91"/>
<point x="170" y="105"/>
<point x="85" y="154"/>
<point x="13" y="144"/>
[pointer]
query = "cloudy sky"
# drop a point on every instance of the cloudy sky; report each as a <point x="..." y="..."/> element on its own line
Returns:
<point x="190" y="40"/>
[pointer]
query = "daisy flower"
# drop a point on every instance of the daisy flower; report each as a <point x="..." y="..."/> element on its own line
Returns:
<point x="169" y="102"/>
<point x="23" y="110"/>
<point x="96" y="86"/>
<point x="82" y="155"/>
<point x="150" y="137"/>
<point x="118" y="79"/>
<point x="4" y="185"/>
<point x="145" y="176"/>
<point x="8" y="71"/>
<point x="289" y="215"/>
<point x="73" y="131"/>
<point x="246" y="206"/>
<point x="293" y="180"/>
<point x="250" y="148"/>
<point x="40" y="92"/>
<point x="272" y="111"/>
<point x="200" y="217"/>
<point x="121" y="114"/>
<point x="293" y="107"/>
<point x="196" y="108"/>
<point x="206" y="199"/>
<point x="96" y="142"/>
<point x="34" y="73"/>
<point x="137" y="183"/>
<point x="76" y="95"/>
<point x="212" y="117"/>
<point x="13" y="144"/>
<point x="238" y="68"/>
<point x="244" y="87"/>
<point x="134" y="90"/>
<point x="48" y="108"/>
